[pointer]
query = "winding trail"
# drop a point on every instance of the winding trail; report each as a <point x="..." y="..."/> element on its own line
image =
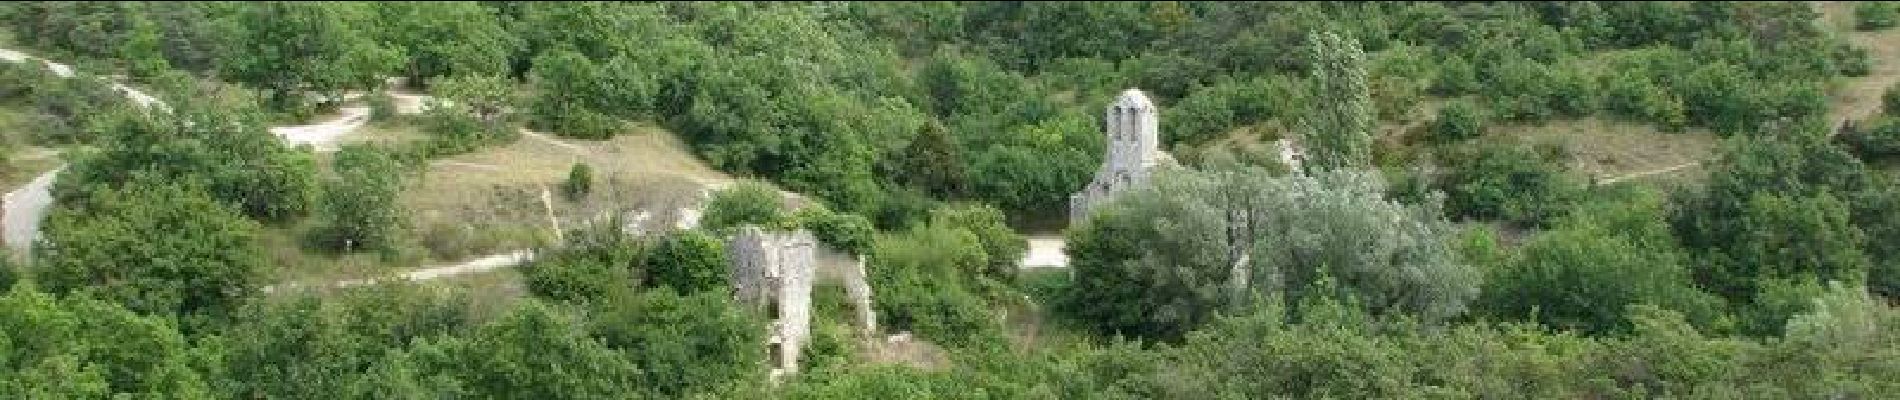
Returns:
<point x="1673" y="168"/>
<point x="24" y="208"/>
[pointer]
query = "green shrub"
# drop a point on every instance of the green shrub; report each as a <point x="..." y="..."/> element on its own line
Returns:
<point x="688" y="261"/>
<point x="1890" y="101"/>
<point x="1876" y="15"/>
<point x="382" y="107"/>
<point x="580" y="181"/>
<point x="1506" y="182"/>
<point x="924" y="278"/>
<point x="1879" y="137"/>
<point x="1852" y="60"/>
<point x="597" y="263"/>
<point x="1459" y="120"/>
<point x="744" y="203"/>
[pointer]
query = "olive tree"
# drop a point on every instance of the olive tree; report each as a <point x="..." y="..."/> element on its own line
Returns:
<point x="1162" y="259"/>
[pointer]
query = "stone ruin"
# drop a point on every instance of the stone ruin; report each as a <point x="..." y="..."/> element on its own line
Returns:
<point x="1133" y="127"/>
<point x="774" y="272"/>
<point x="1134" y="151"/>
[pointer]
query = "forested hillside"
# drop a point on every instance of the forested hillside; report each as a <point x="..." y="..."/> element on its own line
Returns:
<point x="1498" y="199"/>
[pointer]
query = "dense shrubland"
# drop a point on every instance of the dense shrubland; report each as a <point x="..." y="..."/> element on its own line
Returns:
<point x="1472" y="266"/>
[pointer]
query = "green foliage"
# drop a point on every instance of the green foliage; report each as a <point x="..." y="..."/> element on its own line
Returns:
<point x="1596" y="262"/>
<point x="224" y="147"/>
<point x="1786" y="205"/>
<point x="563" y="106"/>
<point x="1458" y="120"/>
<point x="744" y="203"/>
<point x="155" y="248"/>
<point x="75" y="347"/>
<point x="69" y="110"/>
<point x="683" y="345"/>
<point x="688" y="261"/>
<point x="1506" y="182"/>
<point x="382" y="107"/>
<point x="291" y="49"/>
<point x="596" y="263"/>
<point x="1338" y="133"/>
<point x="536" y="351"/>
<point x="580" y="181"/>
<point x="1876" y="15"/>
<point x="1890" y="100"/>
<point x="848" y="233"/>
<point x="446" y="38"/>
<point x="1033" y="168"/>
<point x="1161" y="261"/>
<point x="359" y="205"/>
<point x="1002" y="246"/>
<point x="304" y="345"/>
<point x="924" y="278"/>
<point x="472" y="111"/>
<point x="933" y="163"/>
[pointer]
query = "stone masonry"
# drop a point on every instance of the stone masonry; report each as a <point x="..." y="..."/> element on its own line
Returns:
<point x="773" y="272"/>
<point x="1134" y="150"/>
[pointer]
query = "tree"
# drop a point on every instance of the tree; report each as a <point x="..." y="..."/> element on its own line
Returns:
<point x="596" y="263"/>
<point x="683" y="344"/>
<point x="850" y="233"/>
<point x="156" y="248"/>
<point x="223" y="145"/>
<point x="1508" y="183"/>
<point x="744" y="203"/>
<point x="1158" y="262"/>
<point x="1001" y="245"/>
<point x="469" y="112"/>
<point x="76" y="346"/>
<point x="933" y="162"/>
<point x="925" y="279"/>
<point x="1596" y="262"/>
<point x="1459" y="120"/>
<point x="688" y="261"/>
<point x="538" y="351"/>
<point x="1338" y="132"/>
<point x="299" y="344"/>
<point x="360" y="205"/>
<point x="447" y="38"/>
<point x="293" y="48"/>
<point x="566" y="105"/>
<point x="1786" y="205"/>
<point x="580" y="181"/>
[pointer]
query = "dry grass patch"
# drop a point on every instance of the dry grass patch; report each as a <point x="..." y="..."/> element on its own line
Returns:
<point x="492" y="200"/>
<point x="1604" y="148"/>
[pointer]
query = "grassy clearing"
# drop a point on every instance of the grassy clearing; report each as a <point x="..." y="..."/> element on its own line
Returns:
<point x="22" y="161"/>
<point x="1858" y="98"/>
<point x="1603" y="148"/>
<point x="491" y="200"/>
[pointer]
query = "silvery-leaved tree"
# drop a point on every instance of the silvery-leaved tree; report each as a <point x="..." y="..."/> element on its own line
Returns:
<point x="1159" y="261"/>
<point x="1337" y="126"/>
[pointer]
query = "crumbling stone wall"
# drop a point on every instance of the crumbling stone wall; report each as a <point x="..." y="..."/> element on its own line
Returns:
<point x="773" y="272"/>
<point x="1134" y="151"/>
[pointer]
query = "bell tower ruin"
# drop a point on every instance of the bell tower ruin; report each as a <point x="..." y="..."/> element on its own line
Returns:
<point x="1133" y="127"/>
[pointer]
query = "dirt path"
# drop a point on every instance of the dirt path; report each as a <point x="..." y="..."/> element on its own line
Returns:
<point x="324" y="136"/>
<point x="1045" y="251"/>
<point x="22" y="209"/>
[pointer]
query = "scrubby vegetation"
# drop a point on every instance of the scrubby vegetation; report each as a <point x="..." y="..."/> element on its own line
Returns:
<point x="1426" y="250"/>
